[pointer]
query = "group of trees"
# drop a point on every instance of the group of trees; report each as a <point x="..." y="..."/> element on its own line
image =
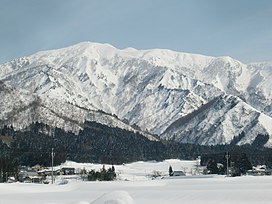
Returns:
<point x="7" y="166"/>
<point x="237" y="162"/>
<point x="102" y="175"/>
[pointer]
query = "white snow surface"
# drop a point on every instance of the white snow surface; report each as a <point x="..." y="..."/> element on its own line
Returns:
<point x="114" y="197"/>
<point x="185" y="189"/>
<point x="149" y="88"/>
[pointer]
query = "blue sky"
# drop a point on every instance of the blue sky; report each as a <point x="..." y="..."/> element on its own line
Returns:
<point x="241" y="29"/>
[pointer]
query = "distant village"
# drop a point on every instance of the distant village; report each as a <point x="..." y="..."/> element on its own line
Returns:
<point x="39" y="174"/>
<point x="46" y="175"/>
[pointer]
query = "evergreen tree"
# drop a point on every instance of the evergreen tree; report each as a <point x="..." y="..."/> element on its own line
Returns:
<point x="212" y="167"/>
<point x="170" y="171"/>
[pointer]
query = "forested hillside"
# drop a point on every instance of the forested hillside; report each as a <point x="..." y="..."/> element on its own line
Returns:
<point x="101" y="144"/>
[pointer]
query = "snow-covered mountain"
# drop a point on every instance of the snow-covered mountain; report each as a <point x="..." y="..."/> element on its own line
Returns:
<point x="222" y="120"/>
<point x="152" y="89"/>
<point x="21" y="108"/>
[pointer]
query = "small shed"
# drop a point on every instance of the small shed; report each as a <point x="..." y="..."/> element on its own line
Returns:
<point x="178" y="173"/>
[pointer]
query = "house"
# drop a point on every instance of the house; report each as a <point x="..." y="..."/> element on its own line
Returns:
<point x="36" y="179"/>
<point x="260" y="170"/>
<point x="178" y="173"/>
<point x="29" y="176"/>
<point x="46" y="172"/>
<point x="67" y="171"/>
<point x="11" y="179"/>
<point x="37" y="167"/>
<point x="25" y="174"/>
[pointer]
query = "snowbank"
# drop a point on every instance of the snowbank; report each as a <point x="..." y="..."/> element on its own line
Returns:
<point x="114" y="197"/>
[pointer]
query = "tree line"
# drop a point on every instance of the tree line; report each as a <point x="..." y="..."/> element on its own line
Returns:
<point x="99" y="143"/>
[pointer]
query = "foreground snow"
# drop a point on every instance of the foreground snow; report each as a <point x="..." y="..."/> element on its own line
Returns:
<point x="190" y="189"/>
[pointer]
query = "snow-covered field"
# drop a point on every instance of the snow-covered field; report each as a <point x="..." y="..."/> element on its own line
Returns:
<point x="135" y="186"/>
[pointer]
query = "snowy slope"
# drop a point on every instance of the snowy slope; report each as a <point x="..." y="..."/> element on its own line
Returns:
<point x="148" y="88"/>
<point x="220" y="122"/>
<point x="19" y="109"/>
<point x="16" y="106"/>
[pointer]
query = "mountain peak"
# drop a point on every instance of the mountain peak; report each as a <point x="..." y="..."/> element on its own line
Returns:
<point x="148" y="89"/>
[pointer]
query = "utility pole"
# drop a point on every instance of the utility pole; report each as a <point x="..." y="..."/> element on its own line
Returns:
<point x="52" y="157"/>
<point x="52" y="173"/>
<point x="1" y="176"/>
<point x="198" y="160"/>
<point x="227" y="157"/>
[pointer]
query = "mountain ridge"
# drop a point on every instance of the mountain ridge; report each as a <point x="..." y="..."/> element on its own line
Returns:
<point x="150" y="89"/>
